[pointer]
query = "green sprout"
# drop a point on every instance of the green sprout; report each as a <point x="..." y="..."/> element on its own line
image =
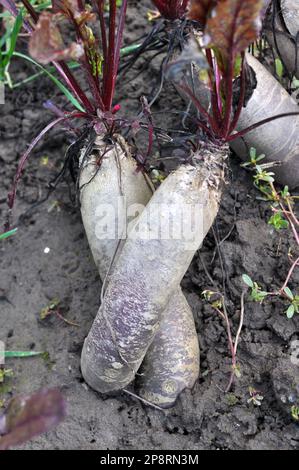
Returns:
<point x="294" y="306"/>
<point x="46" y="311"/>
<point x="53" y="308"/>
<point x="278" y="221"/>
<point x="254" y="159"/>
<point x="282" y="203"/>
<point x="279" y="68"/>
<point x="255" y="397"/>
<point x="256" y="294"/>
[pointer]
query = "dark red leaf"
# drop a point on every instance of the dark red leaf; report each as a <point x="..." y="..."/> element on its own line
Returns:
<point x="31" y="415"/>
<point x="233" y="25"/>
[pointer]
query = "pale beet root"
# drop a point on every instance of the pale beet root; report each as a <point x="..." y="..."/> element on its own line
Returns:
<point x="171" y="364"/>
<point x="290" y="13"/>
<point x="278" y="140"/>
<point x="282" y="32"/>
<point x="145" y="276"/>
<point x="109" y="180"/>
<point x="105" y="182"/>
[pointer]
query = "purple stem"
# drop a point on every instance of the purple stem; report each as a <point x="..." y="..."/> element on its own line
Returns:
<point x="24" y="158"/>
<point x="72" y="83"/>
<point x="10" y="6"/>
<point x="200" y="107"/>
<point x="229" y="96"/>
<point x="59" y="113"/>
<point x="258" y="124"/>
<point x="12" y="194"/>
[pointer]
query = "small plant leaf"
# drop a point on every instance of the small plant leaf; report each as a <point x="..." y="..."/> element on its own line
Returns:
<point x="13" y="39"/>
<point x="15" y="354"/>
<point x="285" y="192"/>
<point x="289" y="293"/>
<point x="279" y="67"/>
<point x="31" y="415"/>
<point x="295" y="412"/>
<point x="248" y="281"/>
<point x="8" y="234"/>
<point x="260" y="157"/>
<point x="252" y="154"/>
<point x="237" y="371"/>
<point x="278" y="221"/>
<point x="290" y="311"/>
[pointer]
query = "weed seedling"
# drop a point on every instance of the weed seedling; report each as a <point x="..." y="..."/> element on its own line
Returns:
<point x="256" y="293"/>
<point x="283" y="218"/>
<point x="217" y="302"/>
<point x="255" y="397"/>
<point x="53" y="309"/>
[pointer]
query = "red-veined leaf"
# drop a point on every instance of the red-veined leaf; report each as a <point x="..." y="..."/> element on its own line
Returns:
<point x="233" y="25"/>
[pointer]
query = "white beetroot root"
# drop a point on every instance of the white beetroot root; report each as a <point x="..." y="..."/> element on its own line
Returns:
<point x="290" y="13"/>
<point x="110" y="183"/>
<point x="172" y="361"/>
<point x="145" y="276"/>
<point x="278" y="139"/>
<point x="285" y="42"/>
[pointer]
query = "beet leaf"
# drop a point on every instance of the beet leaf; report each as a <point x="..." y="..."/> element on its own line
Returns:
<point x="29" y="416"/>
<point x="233" y="26"/>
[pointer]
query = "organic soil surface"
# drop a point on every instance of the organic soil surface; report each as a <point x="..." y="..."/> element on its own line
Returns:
<point x="49" y="259"/>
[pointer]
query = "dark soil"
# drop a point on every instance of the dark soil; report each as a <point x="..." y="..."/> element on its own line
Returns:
<point x="30" y="279"/>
